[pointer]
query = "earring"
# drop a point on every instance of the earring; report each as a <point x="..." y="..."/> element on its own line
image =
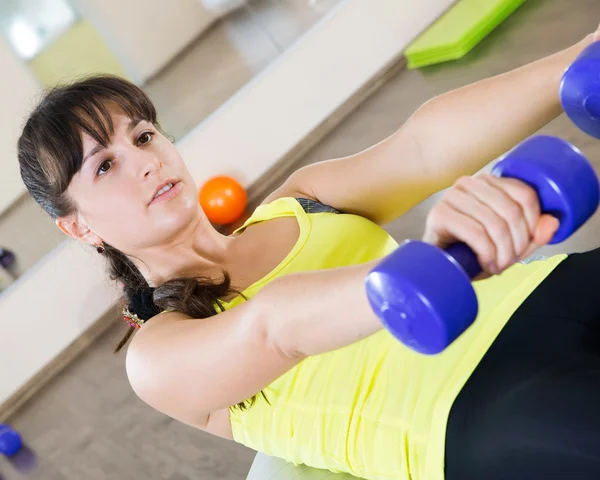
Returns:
<point x="100" y="248"/>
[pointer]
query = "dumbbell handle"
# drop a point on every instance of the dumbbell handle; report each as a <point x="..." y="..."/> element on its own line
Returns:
<point x="466" y="258"/>
<point x="583" y="193"/>
<point x="423" y="295"/>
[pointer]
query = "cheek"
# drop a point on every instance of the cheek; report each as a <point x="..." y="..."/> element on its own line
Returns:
<point x="175" y="162"/>
<point x="113" y="214"/>
<point x="113" y="201"/>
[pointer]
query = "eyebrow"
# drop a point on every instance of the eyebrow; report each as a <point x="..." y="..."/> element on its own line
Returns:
<point x="98" y="148"/>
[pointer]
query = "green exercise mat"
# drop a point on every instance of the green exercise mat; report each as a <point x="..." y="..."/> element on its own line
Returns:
<point x="458" y="31"/>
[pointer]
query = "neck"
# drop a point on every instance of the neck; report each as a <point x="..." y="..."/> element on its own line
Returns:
<point x="200" y="251"/>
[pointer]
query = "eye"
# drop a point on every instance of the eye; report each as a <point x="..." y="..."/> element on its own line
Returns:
<point x="104" y="167"/>
<point x="145" y="138"/>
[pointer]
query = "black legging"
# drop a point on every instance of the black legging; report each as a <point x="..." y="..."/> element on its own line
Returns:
<point x="531" y="409"/>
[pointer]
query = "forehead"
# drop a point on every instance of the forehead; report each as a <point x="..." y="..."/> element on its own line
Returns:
<point x="119" y="121"/>
<point x="116" y="111"/>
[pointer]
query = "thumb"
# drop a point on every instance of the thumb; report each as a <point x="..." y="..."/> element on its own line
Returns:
<point x="596" y="34"/>
<point x="545" y="229"/>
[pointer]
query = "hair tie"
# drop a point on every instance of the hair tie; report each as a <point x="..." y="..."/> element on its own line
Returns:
<point x="141" y="307"/>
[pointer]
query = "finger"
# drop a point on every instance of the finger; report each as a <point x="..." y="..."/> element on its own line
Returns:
<point x="522" y="211"/>
<point x="523" y="215"/>
<point x="457" y="226"/>
<point x="505" y="221"/>
<point x="496" y="227"/>
<point x="546" y="228"/>
<point x="525" y="196"/>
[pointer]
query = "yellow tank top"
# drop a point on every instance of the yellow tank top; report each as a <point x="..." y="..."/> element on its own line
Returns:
<point x="374" y="409"/>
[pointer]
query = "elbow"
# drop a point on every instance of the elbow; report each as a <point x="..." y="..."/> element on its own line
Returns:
<point x="142" y="371"/>
<point x="136" y="368"/>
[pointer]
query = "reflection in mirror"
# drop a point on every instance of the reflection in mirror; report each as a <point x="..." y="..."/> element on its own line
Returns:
<point x="31" y="25"/>
<point x="190" y="60"/>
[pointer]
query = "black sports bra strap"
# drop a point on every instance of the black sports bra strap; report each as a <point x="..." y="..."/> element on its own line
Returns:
<point x="312" y="206"/>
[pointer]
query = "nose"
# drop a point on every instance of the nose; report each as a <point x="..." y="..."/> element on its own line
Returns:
<point x="147" y="164"/>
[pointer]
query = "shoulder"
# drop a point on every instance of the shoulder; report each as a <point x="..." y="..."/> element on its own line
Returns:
<point x="292" y="187"/>
<point x="144" y="348"/>
<point x="151" y="364"/>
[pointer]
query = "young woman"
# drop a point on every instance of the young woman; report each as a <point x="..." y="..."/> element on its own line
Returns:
<point x="295" y="363"/>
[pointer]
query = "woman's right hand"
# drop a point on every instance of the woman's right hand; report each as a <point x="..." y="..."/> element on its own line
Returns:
<point x="499" y="218"/>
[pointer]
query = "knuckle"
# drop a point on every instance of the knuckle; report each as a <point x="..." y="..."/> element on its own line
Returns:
<point x="498" y="228"/>
<point x="453" y="195"/>
<point x="464" y="181"/>
<point x="486" y="252"/>
<point x="437" y="214"/>
<point x="475" y="229"/>
<point x="513" y="214"/>
<point x="481" y="244"/>
<point x="528" y="197"/>
<point x="521" y="247"/>
<point x="438" y="209"/>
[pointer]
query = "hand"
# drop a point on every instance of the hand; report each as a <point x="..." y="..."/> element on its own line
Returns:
<point x="596" y="35"/>
<point x="593" y="37"/>
<point x="499" y="218"/>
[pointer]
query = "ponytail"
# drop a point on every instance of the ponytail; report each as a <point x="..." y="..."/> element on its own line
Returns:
<point x="195" y="297"/>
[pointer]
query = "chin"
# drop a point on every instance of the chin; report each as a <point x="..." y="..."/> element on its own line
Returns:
<point x="185" y="215"/>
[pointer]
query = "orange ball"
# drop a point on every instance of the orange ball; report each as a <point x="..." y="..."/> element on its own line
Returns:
<point x="223" y="200"/>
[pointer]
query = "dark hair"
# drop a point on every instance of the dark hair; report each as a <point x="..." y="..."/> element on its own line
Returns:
<point x="50" y="152"/>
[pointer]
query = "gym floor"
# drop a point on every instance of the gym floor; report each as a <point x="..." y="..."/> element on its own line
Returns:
<point x="87" y="423"/>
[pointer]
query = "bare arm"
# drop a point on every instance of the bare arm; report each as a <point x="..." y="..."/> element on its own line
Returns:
<point x="191" y="368"/>
<point x="463" y="130"/>
<point x="310" y="313"/>
<point x="454" y="134"/>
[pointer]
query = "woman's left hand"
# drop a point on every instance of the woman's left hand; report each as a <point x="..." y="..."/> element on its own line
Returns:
<point x="500" y="219"/>
<point x="596" y="35"/>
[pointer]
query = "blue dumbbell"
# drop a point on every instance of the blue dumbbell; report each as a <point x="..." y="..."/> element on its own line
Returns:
<point x="10" y="441"/>
<point x="423" y="294"/>
<point x="7" y="258"/>
<point x="580" y="91"/>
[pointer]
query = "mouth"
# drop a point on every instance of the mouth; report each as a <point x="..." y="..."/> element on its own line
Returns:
<point x="166" y="190"/>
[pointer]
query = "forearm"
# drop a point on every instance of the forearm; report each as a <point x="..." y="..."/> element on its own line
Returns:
<point x="461" y="131"/>
<point x="314" y="312"/>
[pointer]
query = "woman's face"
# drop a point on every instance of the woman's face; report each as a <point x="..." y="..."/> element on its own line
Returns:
<point x="137" y="193"/>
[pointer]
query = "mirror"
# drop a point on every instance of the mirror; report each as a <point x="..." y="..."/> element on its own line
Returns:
<point x="190" y="57"/>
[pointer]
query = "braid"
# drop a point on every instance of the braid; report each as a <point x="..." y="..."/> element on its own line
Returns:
<point x="195" y="297"/>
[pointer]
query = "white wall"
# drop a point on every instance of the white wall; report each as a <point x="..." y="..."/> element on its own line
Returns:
<point x="47" y="309"/>
<point x="145" y="34"/>
<point x="16" y="97"/>
<point x="269" y="116"/>
<point x="249" y="134"/>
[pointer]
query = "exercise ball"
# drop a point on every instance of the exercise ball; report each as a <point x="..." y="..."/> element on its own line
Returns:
<point x="223" y="200"/>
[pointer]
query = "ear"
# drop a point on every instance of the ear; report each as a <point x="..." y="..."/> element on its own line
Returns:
<point x="75" y="227"/>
